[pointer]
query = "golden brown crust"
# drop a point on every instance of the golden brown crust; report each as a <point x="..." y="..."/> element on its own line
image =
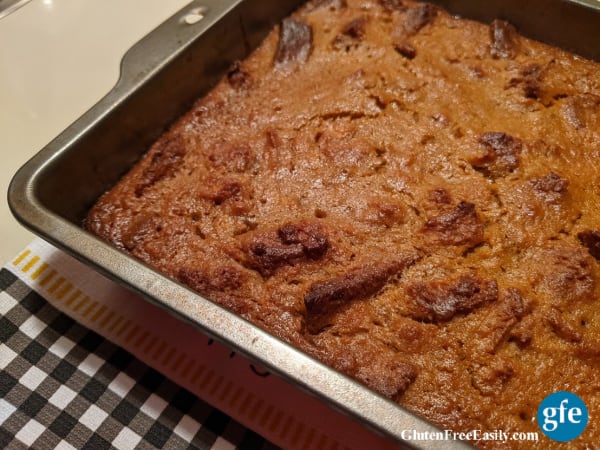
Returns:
<point x="382" y="182"/>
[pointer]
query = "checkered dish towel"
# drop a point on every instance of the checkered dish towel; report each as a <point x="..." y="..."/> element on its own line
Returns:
<point x="65" y="386"/>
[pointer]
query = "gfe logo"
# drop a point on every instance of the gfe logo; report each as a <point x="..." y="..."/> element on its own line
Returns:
<point x="562" y="416"/>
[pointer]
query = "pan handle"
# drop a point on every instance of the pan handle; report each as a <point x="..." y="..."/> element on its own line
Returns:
<point x="158" y="49"/>
<point x="33" y="197"/>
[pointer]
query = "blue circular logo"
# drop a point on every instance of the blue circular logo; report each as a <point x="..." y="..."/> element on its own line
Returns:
<point x="562" y="416"/>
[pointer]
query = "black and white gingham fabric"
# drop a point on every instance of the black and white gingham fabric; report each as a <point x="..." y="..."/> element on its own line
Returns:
<point x="63" y="386"/>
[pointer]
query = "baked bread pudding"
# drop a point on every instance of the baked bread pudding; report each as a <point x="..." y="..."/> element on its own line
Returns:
<point x="410" y="197"/>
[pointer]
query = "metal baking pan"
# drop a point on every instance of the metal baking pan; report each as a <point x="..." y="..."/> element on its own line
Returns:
<point x="160" y="78"/>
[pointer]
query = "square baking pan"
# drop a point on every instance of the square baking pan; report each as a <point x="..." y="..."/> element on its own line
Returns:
<point x="161" y="76"/>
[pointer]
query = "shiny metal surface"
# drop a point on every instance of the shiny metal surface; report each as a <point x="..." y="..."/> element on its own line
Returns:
<point x="180" y="61"/>
<point x="9" y="6"/>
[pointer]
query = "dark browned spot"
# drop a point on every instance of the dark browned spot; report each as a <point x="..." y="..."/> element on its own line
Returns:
<point x="141" y="226"/>
<point x="390" y="377"/>
<point x="220" y="190"/>
<point x="167" y="155"/>
<point x="459" y="226"/>
<point x="356" y="28"/>
<point x="504" y="40"/>
<point x="591" y="240"/>
<point x="206" y="281"/>
<point x="324" y="298"/>
<point x="237" y="77"/>
<point x="310" y="237"/>
<point x="582" y="111"/>
<point x="419" y="17"/>
<point x="352" y="34"/>
<point x="530" y="80"/>
<point x="266" y="251"/>
<point x="565" y="273"/>
<point x="550" y="188"/>
<point x="331" y="4"/>
<point x="405" y="49"/>
<point x="231" y="157"/>
<point x="561" y="327"/>
<point x="500" y="154"/>
<point x="392" y="5"/>
<point x="295" y="42"/>
<point x="497" y="325"/>
<point x="439" y="196"/>
<point x="441" y="300"/>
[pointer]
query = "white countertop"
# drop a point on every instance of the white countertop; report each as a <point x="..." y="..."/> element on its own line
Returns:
<point x="58" y="58"/>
